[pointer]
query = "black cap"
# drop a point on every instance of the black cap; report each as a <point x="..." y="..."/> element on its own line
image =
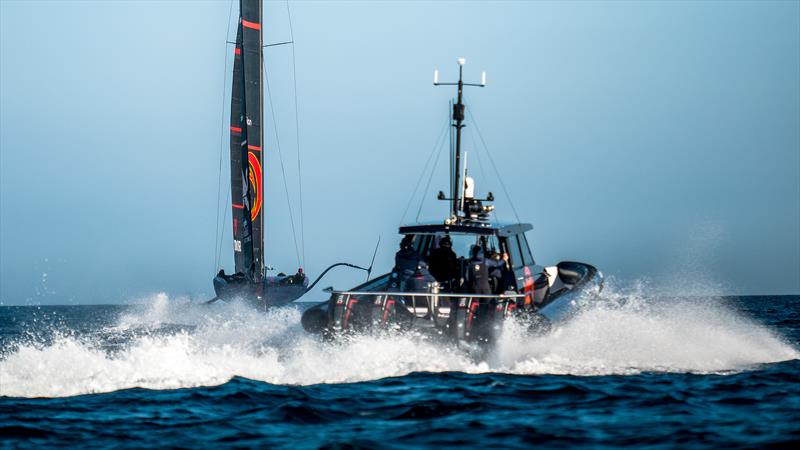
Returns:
<point x="477" y="250"/>
<point x="407" y="240"/>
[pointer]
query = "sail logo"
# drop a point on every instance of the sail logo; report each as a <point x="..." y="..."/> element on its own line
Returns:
<point x="255" y="181"/>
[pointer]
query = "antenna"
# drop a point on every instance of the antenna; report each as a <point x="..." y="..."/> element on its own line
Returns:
<point x="371" y="263"/>
<point x="458" y="119"/>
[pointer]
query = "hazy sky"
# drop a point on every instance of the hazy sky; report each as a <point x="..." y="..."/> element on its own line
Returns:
<point x="658" y="141"/>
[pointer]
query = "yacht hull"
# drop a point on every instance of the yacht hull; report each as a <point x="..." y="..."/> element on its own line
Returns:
<point x="271" y="292"/>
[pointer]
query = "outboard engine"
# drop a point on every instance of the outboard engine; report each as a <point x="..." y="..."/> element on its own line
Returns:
<point x="475" y="319"/>
<point x="315" y="319"/>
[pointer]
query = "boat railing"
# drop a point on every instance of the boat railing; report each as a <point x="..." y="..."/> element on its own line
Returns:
<point x="433" y="306"/>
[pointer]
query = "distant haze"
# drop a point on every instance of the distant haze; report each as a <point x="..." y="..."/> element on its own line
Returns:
<point x="658" y="141"/>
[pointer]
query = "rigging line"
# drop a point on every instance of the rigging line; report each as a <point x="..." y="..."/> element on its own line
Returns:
<point x="218" y="243"/>
<point x="452" y="149"/>
<point x="280" y="158"/>
<point x="222" y="230"/>
<point x="480" y="167"/>
<point x="297" y="138"/>
<point x="477" y="153"/>
<point x="424" y="170"/>
<point x="277" y="43"/>
<point x="267" y="45"/>
<point x="494" y="166"/>
<point x="433" y="171"/>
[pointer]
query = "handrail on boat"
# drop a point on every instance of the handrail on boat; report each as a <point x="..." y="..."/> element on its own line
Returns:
<point x="425" y="305"/>
<point x="425" y="294"/>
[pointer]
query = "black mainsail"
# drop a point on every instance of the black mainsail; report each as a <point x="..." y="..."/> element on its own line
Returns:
<point x="247" y="161"/>
<point x="246" y="143"/>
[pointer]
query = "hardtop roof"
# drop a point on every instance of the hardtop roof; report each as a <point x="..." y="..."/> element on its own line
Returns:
<point x="479" y="228"/>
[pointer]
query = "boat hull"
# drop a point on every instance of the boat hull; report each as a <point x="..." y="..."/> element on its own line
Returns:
<point x="273" y="291"/>
<point x="457" y="317"/>
<point x="583" y="281"/>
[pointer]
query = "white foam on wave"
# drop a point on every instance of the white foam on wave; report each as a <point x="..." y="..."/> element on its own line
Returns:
<point x="628" y="334"/>
<point x="621" y="334"/>
<point x="211" y="346"/>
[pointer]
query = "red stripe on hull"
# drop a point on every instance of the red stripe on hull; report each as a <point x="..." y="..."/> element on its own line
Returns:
<point x="253" y="147"/>
<point x="236" y="129"/>
<point x="472" y="308"/>
<point x="389" y="304"/>
<point x="237" y="206"/>
<point x="528" y="286"/>
<point x="348" y="310"/>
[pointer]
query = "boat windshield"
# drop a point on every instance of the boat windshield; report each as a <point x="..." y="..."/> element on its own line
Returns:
<point x="463" y="243"/>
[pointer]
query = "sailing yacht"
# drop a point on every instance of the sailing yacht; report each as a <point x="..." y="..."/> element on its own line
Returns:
<point x="249" y="280"/>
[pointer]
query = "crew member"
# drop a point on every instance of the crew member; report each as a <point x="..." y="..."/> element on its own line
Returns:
<point x="444" y="264"/>
<point x="509" y="281"/>
<point x="501" y="274"/>
<point x="478" y="272"/>
<point x="495" y="264"/>
<point x="406" y="262"/>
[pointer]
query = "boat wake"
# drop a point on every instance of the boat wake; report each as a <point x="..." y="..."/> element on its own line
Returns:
<point x="168" y="344"/>
<point x="630" y="334"/>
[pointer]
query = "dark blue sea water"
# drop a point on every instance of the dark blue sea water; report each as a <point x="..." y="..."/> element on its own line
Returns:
<point x="629" y="371"/>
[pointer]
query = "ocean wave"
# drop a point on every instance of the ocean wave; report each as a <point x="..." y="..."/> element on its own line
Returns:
<point x="170" y="344"/>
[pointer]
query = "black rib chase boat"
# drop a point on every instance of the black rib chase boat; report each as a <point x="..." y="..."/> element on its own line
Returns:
<point x="459" y="278"/>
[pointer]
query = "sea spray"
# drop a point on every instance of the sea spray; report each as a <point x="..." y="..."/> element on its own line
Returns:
<point x="625" y="332"/>
<point x="173" y="344"/>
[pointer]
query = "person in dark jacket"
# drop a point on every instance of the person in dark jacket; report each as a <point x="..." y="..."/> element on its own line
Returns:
<point x="410" y="274"/>
<point x="421" y="279"/>
<point x="408" y="266"/>
<point x="444" y="264"/>
<point x="495" y="265"/>
<point x="478" y="280"/>
<point x="406" y="258"/>
<point x="509" y="280"/>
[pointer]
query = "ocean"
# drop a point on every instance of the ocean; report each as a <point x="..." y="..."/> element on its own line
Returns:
<point x="628" y="371"/>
